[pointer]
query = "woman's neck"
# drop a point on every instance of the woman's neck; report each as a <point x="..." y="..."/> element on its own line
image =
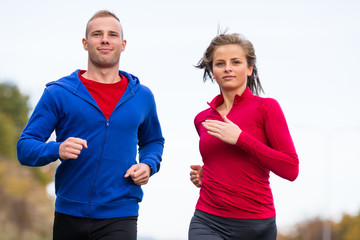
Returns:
<point x="229" y="97"/>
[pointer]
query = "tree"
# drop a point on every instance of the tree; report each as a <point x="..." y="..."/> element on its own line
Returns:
<point x="14" y="111"/>
<point x="14" y="115"/>
<point x="7" y="137"/>
<point x="314" y="229"/>
<point x="26" y="211"/>
<point x="348" y="228"/>
<point x="14" y="104"/>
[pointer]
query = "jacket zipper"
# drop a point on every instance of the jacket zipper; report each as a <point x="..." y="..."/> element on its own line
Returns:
<point x="97" y="168"/>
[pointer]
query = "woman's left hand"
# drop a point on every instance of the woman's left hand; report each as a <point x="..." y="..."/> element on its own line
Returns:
<point x="226" y="131"/>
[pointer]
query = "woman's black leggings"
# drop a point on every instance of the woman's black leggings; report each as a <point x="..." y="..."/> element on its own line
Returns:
<point x="206" y="226"/>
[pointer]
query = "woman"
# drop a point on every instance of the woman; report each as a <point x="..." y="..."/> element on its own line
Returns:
<point x="242" y="138"/>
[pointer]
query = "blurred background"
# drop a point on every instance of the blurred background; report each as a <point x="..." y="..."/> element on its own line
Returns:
<point x="308" y="59"/>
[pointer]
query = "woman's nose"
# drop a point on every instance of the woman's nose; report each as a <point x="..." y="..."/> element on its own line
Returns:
<point x="228" y="68"/>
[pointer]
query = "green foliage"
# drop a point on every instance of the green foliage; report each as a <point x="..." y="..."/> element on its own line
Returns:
<point x="8" y="137"/>
<point x="26" y="211"/>
<point x="44" y="175"/>
<point x="348" y="228"/>
<point x="316" y="228"/>
<point x="14" y="111"/>
<point x="14" y="105"/>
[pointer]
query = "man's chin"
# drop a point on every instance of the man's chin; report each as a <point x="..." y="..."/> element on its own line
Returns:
<point x="106" y="64"/>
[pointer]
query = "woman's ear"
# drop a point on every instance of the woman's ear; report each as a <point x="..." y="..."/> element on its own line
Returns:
<point x="250" y="71"/>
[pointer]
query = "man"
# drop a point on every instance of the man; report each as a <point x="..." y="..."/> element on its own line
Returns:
<point x="101" y="116"/>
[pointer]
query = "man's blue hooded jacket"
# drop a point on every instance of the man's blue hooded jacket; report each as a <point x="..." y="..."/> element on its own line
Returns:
<point x="93" y="185"/>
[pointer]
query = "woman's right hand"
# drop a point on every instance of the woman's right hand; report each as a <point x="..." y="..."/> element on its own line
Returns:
<point x="196" y="175"/>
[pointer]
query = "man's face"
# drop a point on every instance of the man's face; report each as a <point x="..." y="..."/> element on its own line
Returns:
<point x="104" y="42"/>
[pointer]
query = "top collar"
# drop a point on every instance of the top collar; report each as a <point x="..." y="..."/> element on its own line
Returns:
<point x="219" y="99"/>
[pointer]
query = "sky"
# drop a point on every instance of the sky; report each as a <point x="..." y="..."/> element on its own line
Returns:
<point x="308" y="59"/>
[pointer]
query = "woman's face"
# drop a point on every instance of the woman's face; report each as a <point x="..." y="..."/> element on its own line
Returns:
<point x="230" y="68"/>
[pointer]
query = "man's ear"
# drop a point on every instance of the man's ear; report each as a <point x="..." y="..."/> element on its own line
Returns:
<point x="123" y="45"/>
<point x="84" y="42"/>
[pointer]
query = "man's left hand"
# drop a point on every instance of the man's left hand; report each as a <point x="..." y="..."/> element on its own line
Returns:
<point x="140" y="173"/>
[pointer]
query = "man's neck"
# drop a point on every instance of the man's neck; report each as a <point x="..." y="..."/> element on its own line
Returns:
<point x="106" y="75"/>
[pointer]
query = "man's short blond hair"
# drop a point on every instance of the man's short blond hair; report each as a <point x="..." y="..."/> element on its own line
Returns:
<point x="103" y="13"/>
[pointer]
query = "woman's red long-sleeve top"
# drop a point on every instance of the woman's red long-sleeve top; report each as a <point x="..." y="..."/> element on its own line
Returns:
<point x="236" y="177"/>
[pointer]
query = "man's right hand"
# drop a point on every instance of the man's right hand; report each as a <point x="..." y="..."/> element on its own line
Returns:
<point x="71" y="148"/>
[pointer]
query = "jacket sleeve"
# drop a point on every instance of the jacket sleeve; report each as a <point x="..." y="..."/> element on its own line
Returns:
<point x="280" y="156"/>
<point x="151" y="141"/>
<point x="32" y="147"/>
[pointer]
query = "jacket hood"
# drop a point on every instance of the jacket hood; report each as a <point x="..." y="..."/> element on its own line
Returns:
<point x="74" y="84"/>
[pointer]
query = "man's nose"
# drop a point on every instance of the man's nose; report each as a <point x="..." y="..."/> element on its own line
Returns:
<point x="105" y="39"/>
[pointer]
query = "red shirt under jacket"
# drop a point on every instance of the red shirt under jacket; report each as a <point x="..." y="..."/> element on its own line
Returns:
<point x="236" y="177"/>
<point x="106" y="95"/>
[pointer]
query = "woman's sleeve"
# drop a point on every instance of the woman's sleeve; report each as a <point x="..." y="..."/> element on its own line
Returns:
<point x="280" y="156"/>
